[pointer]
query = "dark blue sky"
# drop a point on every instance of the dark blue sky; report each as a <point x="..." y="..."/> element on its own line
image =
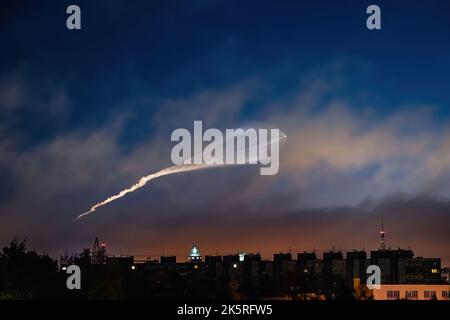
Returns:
<point x="175" y="48"/>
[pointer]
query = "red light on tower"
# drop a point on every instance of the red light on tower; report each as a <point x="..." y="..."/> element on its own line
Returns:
<point x="383" y="244"/>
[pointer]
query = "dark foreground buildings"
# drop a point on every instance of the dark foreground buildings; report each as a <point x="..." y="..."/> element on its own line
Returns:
<point x="334" y="275"/>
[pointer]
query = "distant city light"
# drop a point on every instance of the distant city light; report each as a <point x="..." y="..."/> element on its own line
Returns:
<point x="194" y="254"/>
<point x="235" y="265"/>
<point x="242" y="256"/>
<point x="64" y="268"/>
<point x="133" y="267"/>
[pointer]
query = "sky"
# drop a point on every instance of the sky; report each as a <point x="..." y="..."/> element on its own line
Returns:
<point x="86" y="113"/>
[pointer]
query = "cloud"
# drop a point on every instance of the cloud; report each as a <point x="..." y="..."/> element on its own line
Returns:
<point x="11" y="96"/>
<point x="337" y="156"/>
<point x="19" y="93"/>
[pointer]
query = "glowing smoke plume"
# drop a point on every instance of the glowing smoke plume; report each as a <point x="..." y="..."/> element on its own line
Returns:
<point x="143" y="181"/>
<point x="164" y="172"/>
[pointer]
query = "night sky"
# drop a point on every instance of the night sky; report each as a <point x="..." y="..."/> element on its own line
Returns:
<point x="85" y="113"/>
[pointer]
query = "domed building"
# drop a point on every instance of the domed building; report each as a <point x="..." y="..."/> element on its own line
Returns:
<point x="194" y="254"/>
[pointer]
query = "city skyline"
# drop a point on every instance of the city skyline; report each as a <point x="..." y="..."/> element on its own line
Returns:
<point x="268" y="255"/>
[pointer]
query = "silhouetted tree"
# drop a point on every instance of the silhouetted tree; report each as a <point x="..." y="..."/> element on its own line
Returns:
<point x="28" y="275"/>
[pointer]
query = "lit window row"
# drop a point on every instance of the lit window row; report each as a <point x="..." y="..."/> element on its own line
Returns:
<point x="415" y="294"/>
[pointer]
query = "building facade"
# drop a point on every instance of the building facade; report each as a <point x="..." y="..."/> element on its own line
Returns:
<point x="412" y="292"/>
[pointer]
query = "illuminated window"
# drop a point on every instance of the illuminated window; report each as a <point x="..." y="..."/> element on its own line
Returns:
<point x="434" y="270"/>
<point x="393" y="294"/>
<point x="411" y="294"/>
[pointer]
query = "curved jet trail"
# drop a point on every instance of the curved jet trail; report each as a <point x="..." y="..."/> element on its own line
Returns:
<point x="164" y="172"/>
<point x="143" y="181"/>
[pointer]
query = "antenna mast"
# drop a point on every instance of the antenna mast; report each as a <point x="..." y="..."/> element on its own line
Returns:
<point x="383" y="243"/>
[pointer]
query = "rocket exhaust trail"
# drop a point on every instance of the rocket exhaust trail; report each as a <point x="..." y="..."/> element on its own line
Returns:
<point x="143" y="181"/>
<point x="164" y="172"/>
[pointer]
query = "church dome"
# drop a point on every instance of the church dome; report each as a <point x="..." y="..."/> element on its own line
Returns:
<point x="194" y="254"/>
